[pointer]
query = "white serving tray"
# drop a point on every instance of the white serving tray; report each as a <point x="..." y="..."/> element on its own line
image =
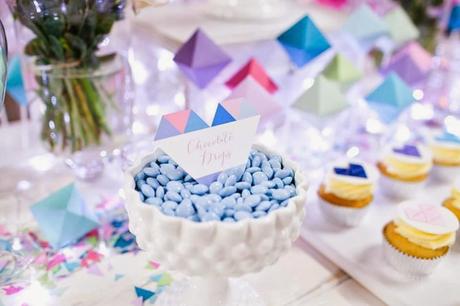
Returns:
<point x="358" y="252"/>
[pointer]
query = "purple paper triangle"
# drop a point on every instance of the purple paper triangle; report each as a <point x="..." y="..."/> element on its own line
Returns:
<point x="207" y="180"/>
<point x="165" y="130"/>
<point x="409" y="150"/>
<point x="201" y="77"/>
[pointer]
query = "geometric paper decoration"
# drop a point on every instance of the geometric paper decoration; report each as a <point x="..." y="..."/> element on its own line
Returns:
<point x="15" y="83"/>
<point x="453" y="24"/>
<point x="408" y="150"/>
<point x="342" y="70"/>
<point x="303" y="41"/>
<point x="179" y="123"/>
<point x="354" y="170"/>
<point x="401" y="27"/>
<point x="63" y="217"/>
<point x="390" y="98"/>
<point x="412" y="63"/>
<point x="448" y="137"/>
<point x="365" y="26"/>
<point x="253" y="70"/>
<point x="200" y="59"/>
<point x="323" y="98"/>
<point x="256" y="96"/>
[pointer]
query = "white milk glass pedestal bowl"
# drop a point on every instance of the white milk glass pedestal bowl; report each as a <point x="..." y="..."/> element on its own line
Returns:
<point x="212" y="252"/>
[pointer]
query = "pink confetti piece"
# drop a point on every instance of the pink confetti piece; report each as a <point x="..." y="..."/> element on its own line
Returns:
<point x="155" y="265"/>
<point x="94" y="269"/>
<point x="10" y="290"/>
<point x="56" y="260"/>
<point x="428" y="214"/>
<point x="4" y="231"/>
<point x="91" y="257"/>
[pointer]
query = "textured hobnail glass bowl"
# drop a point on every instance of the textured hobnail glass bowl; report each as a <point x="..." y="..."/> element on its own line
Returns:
<point x="214" y="250"/>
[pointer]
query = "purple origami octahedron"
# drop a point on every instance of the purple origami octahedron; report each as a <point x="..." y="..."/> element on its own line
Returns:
<point x="200" y="59"/>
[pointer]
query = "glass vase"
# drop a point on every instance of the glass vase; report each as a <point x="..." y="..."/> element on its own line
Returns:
<point x="3" y="63"/>
<point x="86" y="112"/>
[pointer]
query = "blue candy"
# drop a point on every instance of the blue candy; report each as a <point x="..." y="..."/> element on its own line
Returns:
<point x="253" y="170"/>
<point x="243" y="207"/>
<point x="245" y="193"/>
<point x="199" y="189"/>
<point x="209" y="216"/>
<point x="185" y="193"/>
<point x="265" y="205"/>
<point x="168" y="212"/>
<point x="162" y="179"/>
<point x="149" y="171"/>
<point x="148" y="191"/>
<point x="278" y="182"/>
<point x="215" y="187"/>
<point x="258" y="214"/>
<point x="247" y="177"/>
<point x="259" y="189"/>
<point x="169" y="205"/>
<point x="274" y="207"/>
<point x="282" y="173"/>
<point x="229" y="212"/>
<point x="256" y="161"/>
<point x="139" y="183"/>
<point x="222" y="178"/>
<point x="163" y="158"/>
<point x="173" y="196"/>
<point x="275" y="164"/>
<point x="185" y="210"/>
<point x="154" y="201"/>
<point x="287" y="180"/>
<point x="231" y="180"/>
<point x="241" y="215"/>
<point x="152" y="182"/>
<point x="259" y="177"/>
<point x="230" y="220"/>
<point x="243" y="185"/>
<point x="280" y="194"/>
<point x="229" y="202"/>
<point x="160" y="192"/>
<point x="139" y="176"/>
<point x="174" y="186"/>
<point x="226" y="191"/>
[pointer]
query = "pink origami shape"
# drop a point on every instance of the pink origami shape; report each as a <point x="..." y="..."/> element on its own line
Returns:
<point x="255" y="71"/>
<point x="412" y="63"/>
<point x="428" y="214"/>
<point x="179" y="123"/>
<point x="264" y="104"/>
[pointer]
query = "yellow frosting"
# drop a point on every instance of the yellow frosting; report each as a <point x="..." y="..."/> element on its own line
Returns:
<point x="456" y="197"/>
<point x="349" y="190"/>
<point x="423" y="239"/>
<point x="446" y="154"/>
<point x="406" y="169"/>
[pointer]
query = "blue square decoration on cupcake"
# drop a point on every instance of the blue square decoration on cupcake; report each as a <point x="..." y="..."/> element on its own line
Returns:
<point x="354" y="170"/>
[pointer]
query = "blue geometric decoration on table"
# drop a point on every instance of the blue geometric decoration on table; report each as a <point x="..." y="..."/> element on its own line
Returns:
<point x="408" y="150"/>
<point x="15" y="82"/>
<point x="448" y="137"/>
<point x="453" y="24"/>
<point x="222" y="116"/>
<point x="144" y="293"/>
<point x="303" y="41"/>
<point x="354" y="170"/>
<point x="63" y="217"/>
<point x="390" y="98"/>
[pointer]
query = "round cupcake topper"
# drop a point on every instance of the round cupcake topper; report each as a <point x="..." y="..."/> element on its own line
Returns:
<point x="428" y="218"/>
<point x="409" y="153"/>
<point x="354" y="172"/>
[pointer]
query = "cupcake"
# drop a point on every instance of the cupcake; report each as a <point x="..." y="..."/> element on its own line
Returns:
<point x="445" y="148"/>
<point x="453" y="202"/>
<point x="419" y="237"/>
<point x="404" y="170"/>
<point x="346" y="192"/>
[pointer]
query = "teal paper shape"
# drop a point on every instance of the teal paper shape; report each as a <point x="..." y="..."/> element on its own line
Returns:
<point x="222" y="116"/>
<point x="303" y="41"/>
<point x="63" y="217"/>
<point x="390" y="98"/>
<point x="15" y="83"/>
<point x="195" y="123"/>
<point x="323" y="98"/>
<point x="401" y="27"/>
<point x="365" y="25"/>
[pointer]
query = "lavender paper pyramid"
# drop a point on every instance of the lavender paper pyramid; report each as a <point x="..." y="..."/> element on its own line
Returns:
<point x="200" y="59"/>
<point x="412" y="63"/>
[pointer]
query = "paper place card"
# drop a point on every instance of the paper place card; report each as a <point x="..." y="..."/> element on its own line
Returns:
<point x="205" y="151"/>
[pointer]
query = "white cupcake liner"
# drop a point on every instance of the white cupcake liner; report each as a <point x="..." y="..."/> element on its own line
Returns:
<point x="446" y="173"/>
<point x="344" y="216"/>
<point x="400" y="189"/>
<point x="410" y="266"/>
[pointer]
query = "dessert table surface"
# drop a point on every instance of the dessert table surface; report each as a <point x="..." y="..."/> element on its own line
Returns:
<point x="301" y="277"/>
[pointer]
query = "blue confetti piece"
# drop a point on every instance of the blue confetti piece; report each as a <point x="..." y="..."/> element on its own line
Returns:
<point x="144" y="293"/>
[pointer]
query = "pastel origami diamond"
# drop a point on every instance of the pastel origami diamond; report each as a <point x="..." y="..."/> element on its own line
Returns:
<point x="63" y="217"/>
<point x="390" y="98"/>
<point x="453" y="24"/>
<point x="179" y="123"/>
<point x="323" y="98"/>
<point x="303" y="41"/>
<point x="253" y="70"/>
<point x="412" y="63"/>
<point x="354" y="170"/>
<point x="342" y="70"/>
<point x="448" y="137"/>
<point x="401" y="27"/>
<point x="365" y="26"/>
<point x="200" y="59"/>
<point x="408" y="150"/>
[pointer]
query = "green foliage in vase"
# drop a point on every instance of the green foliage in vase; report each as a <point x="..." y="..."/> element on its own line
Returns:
<point x="419" y="12"/>
<point x="67" y="36"/>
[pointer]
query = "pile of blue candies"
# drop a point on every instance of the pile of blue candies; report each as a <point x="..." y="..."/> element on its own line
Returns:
<point x="263" y="185"/>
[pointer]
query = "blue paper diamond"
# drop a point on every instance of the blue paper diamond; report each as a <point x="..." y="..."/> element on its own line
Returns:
<point x="409" y="150"/>
<point x="303" y="41"/>
<point x="354" y="170"/>
<point x="63" y="217"/>
<point x="454" y="19"/>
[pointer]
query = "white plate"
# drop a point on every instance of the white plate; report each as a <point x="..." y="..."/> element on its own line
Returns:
<point x="358" y="251"/>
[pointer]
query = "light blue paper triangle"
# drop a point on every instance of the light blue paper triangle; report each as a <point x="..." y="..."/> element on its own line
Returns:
<point x="392" y="91"/>
<point x="195" y="123"/>
<point x="365" y="25"/>
<point x="222" y="116"/>
<point x="165" y="130"/>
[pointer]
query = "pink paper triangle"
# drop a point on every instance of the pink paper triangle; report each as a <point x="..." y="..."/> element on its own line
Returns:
<point x="233" y="106"/>
<point x="179" y="119"/>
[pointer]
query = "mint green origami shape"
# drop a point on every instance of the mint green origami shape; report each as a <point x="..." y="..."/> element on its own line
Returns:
<point x="365" y="25"/>
<point x="63" y="217"/>
<point x="322" y="99"/>
<point x="342" y="70"/>
<point x="401" y="27"/>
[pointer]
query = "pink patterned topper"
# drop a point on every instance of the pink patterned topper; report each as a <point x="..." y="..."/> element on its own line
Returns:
<point x="428" y="218"/>
<point x="425" y="213"/>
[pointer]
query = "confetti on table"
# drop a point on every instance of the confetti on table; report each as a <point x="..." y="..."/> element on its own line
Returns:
<point x="144" y="293"/>
<point x="11" y="289"/>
